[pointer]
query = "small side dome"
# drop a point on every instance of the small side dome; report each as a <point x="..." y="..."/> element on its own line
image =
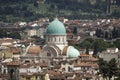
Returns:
<point x="72" y="52"/>
<point x="56" y="28"/>
<point x="34" y="49"/>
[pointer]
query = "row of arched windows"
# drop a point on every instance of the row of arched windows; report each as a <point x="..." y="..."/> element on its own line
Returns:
<point x="56" y="39"/>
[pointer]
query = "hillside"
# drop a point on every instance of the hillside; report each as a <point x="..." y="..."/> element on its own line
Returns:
<point x="27" y="10"/>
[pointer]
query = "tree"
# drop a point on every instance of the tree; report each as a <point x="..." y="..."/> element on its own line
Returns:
<point x="97" y="44"/>
<point x="103" y="67"/>
<point x="118" y="2"/>
<point x="114" y="33"/>
<point x="3" y="33"/>
<point x="15" y="35"/>
<point x="98" y="32"/>
<point x="106" y="35"/>
<point x="117" y="43"/>
<point x="116" y="12"/>
<point x="108" y="4"/>
<point x="112" y="68"/>
<point x="87" y="45"/>
<point x="108" y="69"/>
<point x="100" y="45"/>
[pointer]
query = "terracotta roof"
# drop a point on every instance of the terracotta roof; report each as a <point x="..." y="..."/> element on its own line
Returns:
<point x="16" y="50"/>
<point x="6" y="40"/>
<point x="34" y="50"/>
<point x="53" y="73"/>
<point x="41" y="64"/>
<point x="83" y="54"/>
<point x="87" y="75"/>
<point x="26" y="74"/>
<point x="95" y="65"/>
<point x="27" y="65"/>
<point x="83" y="65"/>
<point x="93" y="59"/>
<point x="12" y="63"/>
<point x="57" y="66"/>
<point x="69" y="74"/>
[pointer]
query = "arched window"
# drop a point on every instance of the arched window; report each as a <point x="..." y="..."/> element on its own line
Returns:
<point x="48" y="53"/>
<point x="59" y="39"/>
<point x="63" y="39"/>
<point x="12" y="73"/>
<point x="55" y="38"/>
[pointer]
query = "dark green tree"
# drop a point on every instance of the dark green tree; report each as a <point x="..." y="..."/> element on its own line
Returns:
<point x="108" y="69"/>
<point x="108" y="5"/>
<point x="114" y="33"/>
<point x="87" y="45"/>
<point x="3" y="33"/>
<point x="15" y="35"/>
<point x="106" y="35"/>
<point x="98" y="32"/>
<point x="112" y="68"/>
<point x="103" y="67"/>
<point x="99" y="45"/>
<point x="118" y="2"/>
<point x="117" y="43"/>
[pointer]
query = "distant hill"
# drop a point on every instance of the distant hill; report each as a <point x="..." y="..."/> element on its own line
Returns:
<point x="28" y="10"/>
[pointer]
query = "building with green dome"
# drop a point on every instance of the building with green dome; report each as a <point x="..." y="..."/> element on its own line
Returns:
<point x="56" y="42"/>
<point x="56" y="34"/>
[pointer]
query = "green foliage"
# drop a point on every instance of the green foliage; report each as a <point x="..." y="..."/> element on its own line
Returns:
<point x="28" y="10"/>
<point x="100" y="45"/>
<point x="116" y="12"/>
<point x="103" y="67"/>
<point x="36" y="37"/>
<point x="87" y="43"/>
<point x="117" y="78"/>
<point x="3" y="33"/>
<point x="108" y="69"/>
<point x="111" y="45"/>
<point x="112" y="67"/>
<point x="117" y="43"/>
<point x="97" y="44"/>
<point x="14" y="35"/>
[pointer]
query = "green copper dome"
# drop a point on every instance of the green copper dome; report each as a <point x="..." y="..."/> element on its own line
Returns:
<point x="56" y="28"/>
<point x="72" y="52"/>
